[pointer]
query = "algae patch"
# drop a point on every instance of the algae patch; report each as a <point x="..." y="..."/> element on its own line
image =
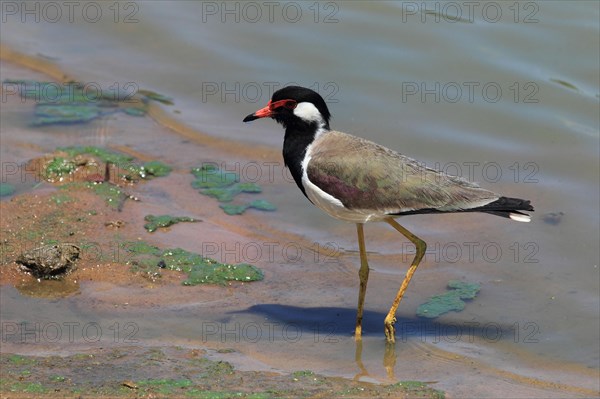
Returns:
<point x="262" y="205"/>
<point x="6" y="189"/>
<point x="126" y="167"/>
<point x="113" y="195"/>
<point x="99" y="169"/>
<point x="59" y="167"/>
<point x="224" y="186"/>
<point x="48" y="114"/>
<point x="226" y="194"/>
<point x="75" y="102"/>
<point x="200" y="269"/>
<point x="452" y="300"/>
<point x="220" y="273"/>
<point x="156" y="222"/>
<point x="155" y="169"/>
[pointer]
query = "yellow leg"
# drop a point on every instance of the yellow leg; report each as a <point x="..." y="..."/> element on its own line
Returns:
<point x="421" y="246"/>
<point x="363" y="274"/>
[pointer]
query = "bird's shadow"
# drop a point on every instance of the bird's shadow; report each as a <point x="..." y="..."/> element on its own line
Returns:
<point x="330" y="321"/>
<point x="330" y="324"/>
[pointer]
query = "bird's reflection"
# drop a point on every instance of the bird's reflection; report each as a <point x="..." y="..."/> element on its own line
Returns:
<point x="389" y="360"/>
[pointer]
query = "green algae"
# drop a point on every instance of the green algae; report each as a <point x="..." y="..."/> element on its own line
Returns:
<point x="113" y="195"/>
<point x="210" y="176"/>
<point x="220" y="273"/>
<point x="74" y="102"/>
<point x="437" y="305"/>
<point x="233" y="209"/>
<point x="155" y="169"/>
<point x="26" y="387"/>
<point x="156" y="222"/>
<point x="141" y="248"/>
<point x="48" y="114"/>
<point x="200" y="269"/>
<point x="6" y="189"/>
<point x="224" y="186"/>
<point x="102" y="154"/>
<point x="226" y="194"/>
<point x="18" y="359"/>
<point x="303" y="374"/>
<point x="184" y="261"/>
<point x="58" y="168"/>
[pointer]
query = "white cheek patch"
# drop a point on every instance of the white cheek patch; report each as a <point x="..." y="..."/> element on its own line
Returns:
<point x="308" y="112"/>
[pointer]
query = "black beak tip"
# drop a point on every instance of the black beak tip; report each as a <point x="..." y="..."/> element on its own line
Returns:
<point x="250" y="118"/>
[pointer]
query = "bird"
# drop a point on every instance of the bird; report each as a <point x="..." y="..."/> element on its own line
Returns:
<point x="359" y="181"/>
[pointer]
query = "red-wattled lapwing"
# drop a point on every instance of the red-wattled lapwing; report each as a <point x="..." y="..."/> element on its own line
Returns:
<point x="359" y="181"/>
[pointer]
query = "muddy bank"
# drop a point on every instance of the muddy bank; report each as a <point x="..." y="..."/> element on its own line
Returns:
<point x="135" y="372"/>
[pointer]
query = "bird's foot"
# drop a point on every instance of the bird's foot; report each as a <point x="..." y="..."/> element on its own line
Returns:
<point x="389" y="329"/>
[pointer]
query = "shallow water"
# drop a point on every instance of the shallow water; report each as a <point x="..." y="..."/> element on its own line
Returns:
<point x="512" y="104"/>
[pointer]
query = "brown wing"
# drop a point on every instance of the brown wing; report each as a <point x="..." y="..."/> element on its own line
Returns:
<point x="365" y="175"/>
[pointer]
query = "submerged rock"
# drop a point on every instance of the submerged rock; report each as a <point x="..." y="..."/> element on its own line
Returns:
<point x="50" y="261"/>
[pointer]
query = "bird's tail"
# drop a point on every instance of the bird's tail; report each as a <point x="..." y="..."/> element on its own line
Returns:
<point x="508" y="208"/>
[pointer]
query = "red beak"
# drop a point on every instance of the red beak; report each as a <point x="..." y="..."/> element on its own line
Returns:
<point x="261" y="113"/>
<point x="269" y="110"/>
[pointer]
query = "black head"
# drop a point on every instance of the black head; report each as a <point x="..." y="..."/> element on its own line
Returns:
<point x="295" y="106"/>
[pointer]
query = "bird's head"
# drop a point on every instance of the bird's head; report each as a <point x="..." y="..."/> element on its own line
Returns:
<point x="295" y="106"/>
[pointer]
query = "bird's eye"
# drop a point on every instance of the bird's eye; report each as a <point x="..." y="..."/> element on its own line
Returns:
<point x="290" y="104"/>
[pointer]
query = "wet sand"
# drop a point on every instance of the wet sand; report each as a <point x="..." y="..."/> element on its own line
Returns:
<point x="300" y="317"/>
